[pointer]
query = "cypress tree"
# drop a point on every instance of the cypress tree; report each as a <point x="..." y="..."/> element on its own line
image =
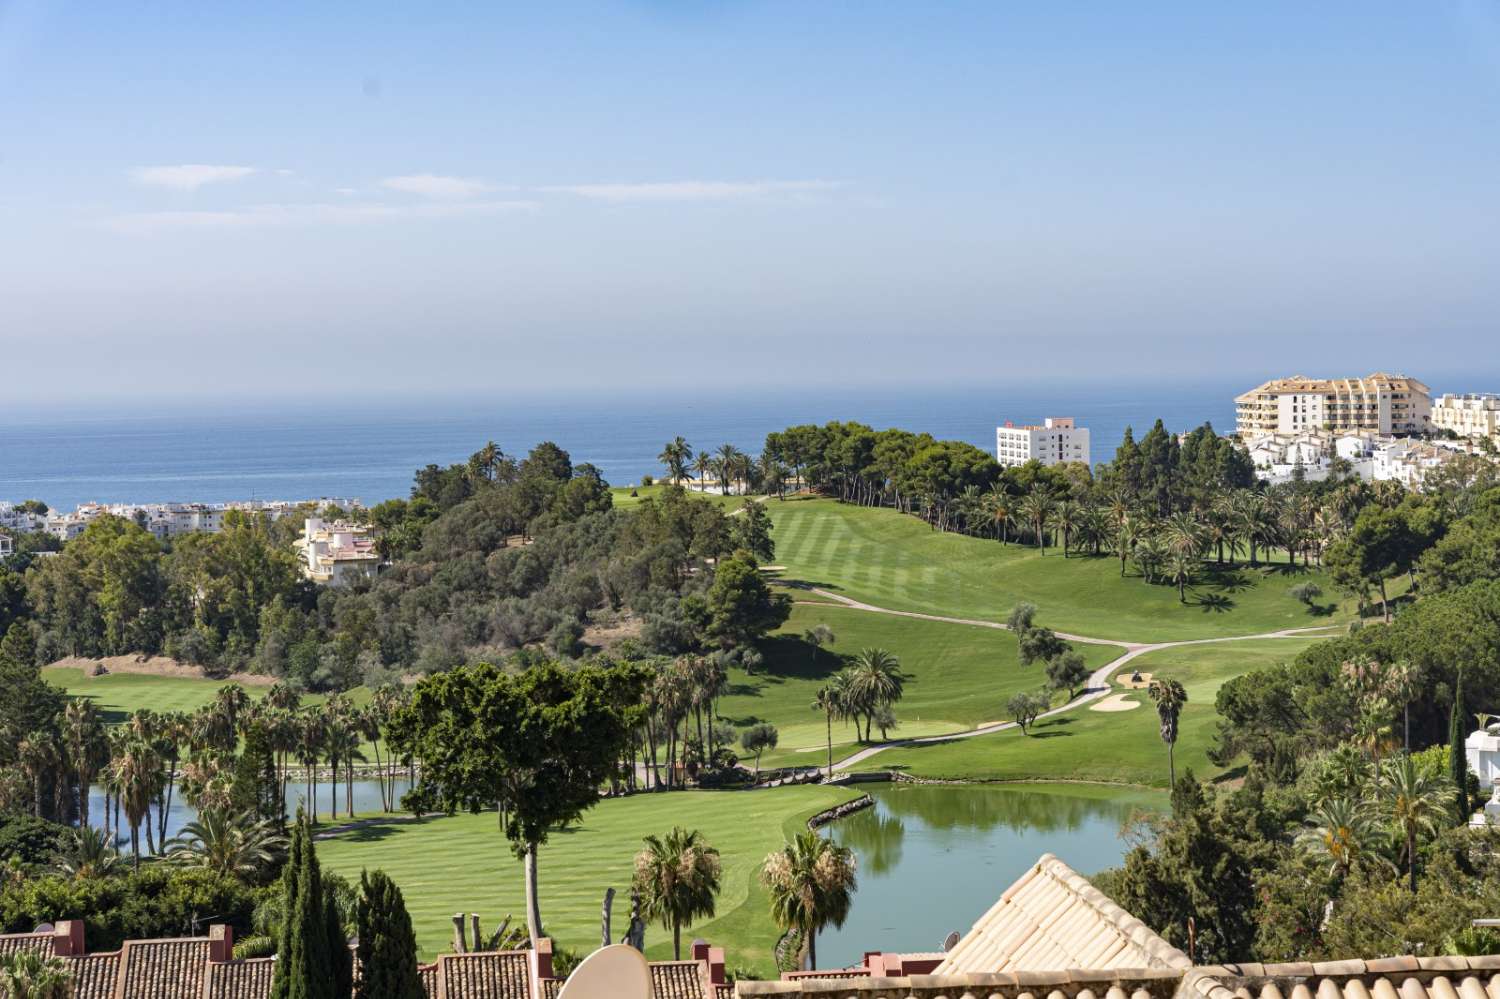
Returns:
<point x="387" y="944"/>
<point x="340" y="959"/>
<point x="1458" y="761"/>
<point x="304" y="967"/>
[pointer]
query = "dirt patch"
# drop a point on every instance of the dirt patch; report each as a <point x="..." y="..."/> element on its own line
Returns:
<point x="155" y="666"/>
<point x="607" y="634"/>
<point x="1115" y="703"/>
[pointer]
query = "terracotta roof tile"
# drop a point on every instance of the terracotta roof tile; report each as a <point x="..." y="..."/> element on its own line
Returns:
<point x="1053" y="918"/>
<point x="94" y="975"/>
<point x="163" y="969"/>
<point x="1158" y="983"/>
<point x="680" y="980"/>
<point x="13" y="943"/>
<point x="485" y="975"/>
<point x="429" y="974"/>
<point x="240" y="979"/>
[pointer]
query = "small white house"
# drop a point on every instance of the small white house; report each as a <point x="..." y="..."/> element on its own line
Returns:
<point x="7" y="547"/>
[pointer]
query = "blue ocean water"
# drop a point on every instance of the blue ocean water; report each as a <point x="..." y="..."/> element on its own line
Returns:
<point x="368" y="452"/>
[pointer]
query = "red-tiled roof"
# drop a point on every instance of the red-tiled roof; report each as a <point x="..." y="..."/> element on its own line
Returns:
<point x="95" y="975"/>
<point x="163" y="969"/>
<point x="240" y="979"/>
<point x="13" y="943"/>
<point x="485" y="975"/>
<point x="680" y="980"/>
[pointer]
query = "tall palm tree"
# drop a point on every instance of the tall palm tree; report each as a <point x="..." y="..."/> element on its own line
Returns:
<point x="1182" y="535"/>
<point x="312" y="732"/>
<point x="678" y="879"/>
<point x="1149" y="556"/>
<point x="676" y="456"/>
<point x="139" y="776"/>
<point x="236" y="845"/>
<point x="728" y="461"/>
<point x="811" y="882"/>
<point x="87" y="749"/>
<point x="1180" y="568"/>
<point x="997" y="510"/>
<point x="875" y="682"/>
<point x="830" y="699"/>
<point x="37" y="753"/>
<point x="1127" y="536"/>
<point x="1414" y="802"/>
<point x="1339" y="830"/>
<point x="1170" y="696"/>
<point x="1036" y="510"/>
<point x="703" y="464"/>
<point x="173" y="730"/>
<point x="1065" y="518"/>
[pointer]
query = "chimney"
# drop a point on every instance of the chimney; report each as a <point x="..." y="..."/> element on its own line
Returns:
<point x="220" y="943"/>
<point x="700" y="949"/>
<point x="67" y="938"/>
<point x="541" y="960"/>
<point x="716" y="965"/>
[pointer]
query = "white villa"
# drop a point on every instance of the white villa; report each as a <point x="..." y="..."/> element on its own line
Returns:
<point x="336" y="554"/>
<point x="1057" y="440"/>
<point x="1311" y="454"/>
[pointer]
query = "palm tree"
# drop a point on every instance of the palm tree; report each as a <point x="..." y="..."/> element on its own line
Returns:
<point x="811" y="882"/>
<point x="728" y="459"/>
<point x="1414" y="803"/>
<point x="1149" y="556"/>
<point x="1093" y="528"/>
<point x="1169" y="696"/>
<point x="37" y="753"/>
<point x="1182" y="535"/>
<point x="85" y="852"/>
<point x="875" y="682"/>
<point x="1127" y="536"/>
<point x="139" y="777"/>
<point x="1339" y="830"/>
<point x="1180" y="568"/>
<point x="678" y="879"/>
<point x="1036" y="511"/>
<point x="1065" y="519"/>
<point x="703" y="464"/>
<point x="676" y="456"/>
<point x="997" y="510"/>
<point x="313" y="731"/>
<point x="26" y="974"/>
<point x="831" y="701"/>
<point x="234" y="845"/>
<point x="87" y="749"/>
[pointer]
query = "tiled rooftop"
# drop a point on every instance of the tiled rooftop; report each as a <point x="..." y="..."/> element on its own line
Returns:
<point x="681" y="980"/>
<point x="1124" y="984"/>
<point x="1382" y="978"/>
<point x="1053" y="918"/>
<point x="489" y="975"/>
<point x="240" y="979"/>
<point x="163" y="969"/>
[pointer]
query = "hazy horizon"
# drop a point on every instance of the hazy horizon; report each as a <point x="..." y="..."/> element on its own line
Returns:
<point x="209" y="203"/>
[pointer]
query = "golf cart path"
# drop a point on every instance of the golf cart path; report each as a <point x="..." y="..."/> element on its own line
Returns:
<point x="1098" y="684"/>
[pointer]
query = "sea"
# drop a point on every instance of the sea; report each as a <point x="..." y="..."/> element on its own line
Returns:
<point x="367" y="451"/>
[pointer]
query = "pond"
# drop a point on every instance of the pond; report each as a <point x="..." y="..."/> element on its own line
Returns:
<point x="366" y="803"/>
<point x="933" y="859"/>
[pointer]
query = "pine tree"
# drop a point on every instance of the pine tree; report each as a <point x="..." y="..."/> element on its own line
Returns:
<point x="340" y="958"/>
<point x="304" y="967"/>
<point x="1458" y="761"/>
<point x="387" y="944"/>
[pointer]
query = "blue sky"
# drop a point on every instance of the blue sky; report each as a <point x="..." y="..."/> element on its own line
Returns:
<point x="255" y="200"/>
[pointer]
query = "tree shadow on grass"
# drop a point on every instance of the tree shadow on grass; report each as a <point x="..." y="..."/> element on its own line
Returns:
<point x="789" y="657"/>
<point x="1212" y="603"/>
<point x="1228" y="579"/>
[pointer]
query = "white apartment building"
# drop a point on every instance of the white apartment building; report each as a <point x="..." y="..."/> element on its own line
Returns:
<point x="1373" y="458"/>
<point x="1473" y="415"/>
<point x="336" y="554"/>
<point x="1055" y="441"/>
<point x="19" y="521"/>
<point x="1379" y="403"/>
<point x="7" y="547"/>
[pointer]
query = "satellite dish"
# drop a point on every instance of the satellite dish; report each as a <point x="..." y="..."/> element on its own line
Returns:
<point x="614" y="972"/>
<point x="950" y="941"/>
<point x="45" y="928"/>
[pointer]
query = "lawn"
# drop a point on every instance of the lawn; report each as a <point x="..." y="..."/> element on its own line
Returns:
<point x="957" y="676"/>
<point x="462" y="864"/>
<point x="893" y="560"/>
<point x="1116" y="746"/>
<point x="626" y="497"/>
<point x="118" y="695"/>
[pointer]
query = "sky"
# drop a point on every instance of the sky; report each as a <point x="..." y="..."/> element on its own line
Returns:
<point x="362" y="200"/>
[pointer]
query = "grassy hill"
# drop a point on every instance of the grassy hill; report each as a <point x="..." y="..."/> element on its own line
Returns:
<point x="893" y="560"/>
<point x="1111" y="746"/>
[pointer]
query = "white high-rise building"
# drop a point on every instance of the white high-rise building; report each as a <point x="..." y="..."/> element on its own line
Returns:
<point x="1054" y="442"/>
<point x="1378" y="403"/>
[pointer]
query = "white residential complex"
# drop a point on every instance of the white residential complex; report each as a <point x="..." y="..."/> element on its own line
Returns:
<point x="1056" y="441"/>
<point x="1476" y="415"/>
<point x="1378" y="403"/>
<point x="165" y="520"/>
<point x="336" y="554"/>
<point x="1311" y="456"/>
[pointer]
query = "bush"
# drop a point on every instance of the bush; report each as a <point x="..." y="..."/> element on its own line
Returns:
<point x="156" y="902"/>
<point x="1305" y="593"/>
<point x="31" y="840"/>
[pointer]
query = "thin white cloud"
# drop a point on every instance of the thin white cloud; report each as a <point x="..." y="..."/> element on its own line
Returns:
<point x="430" y="185"/>
<point x="693" y="190"/>
<point x="273" y="215"/>
<point x="189" y="176"/>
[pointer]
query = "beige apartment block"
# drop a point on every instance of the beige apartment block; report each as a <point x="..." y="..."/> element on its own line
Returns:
<point x="1379" y="403"/>
<point x="1475" y="415"/>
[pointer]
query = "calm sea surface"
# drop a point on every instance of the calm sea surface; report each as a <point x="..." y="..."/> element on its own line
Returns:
<point x="368" y="452"/>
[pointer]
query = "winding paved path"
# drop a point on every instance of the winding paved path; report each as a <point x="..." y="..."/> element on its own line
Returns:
<point x="1098" y="684"/>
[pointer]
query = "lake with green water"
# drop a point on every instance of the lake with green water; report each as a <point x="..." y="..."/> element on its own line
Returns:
<point x="932" y="859"/>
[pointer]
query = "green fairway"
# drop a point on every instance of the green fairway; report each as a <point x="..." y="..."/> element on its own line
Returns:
<point x="893" y="560"/>
<point x="463" y="864"/>
<point x="626" y="497"/>
<point x="957" y="676"/>
<point x="1111" y="746"/>
<point x="118" y="695"/>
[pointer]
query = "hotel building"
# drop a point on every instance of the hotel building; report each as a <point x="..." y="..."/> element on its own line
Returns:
<point x="1054" y="442"/>
<point x="1379" y="403"/>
